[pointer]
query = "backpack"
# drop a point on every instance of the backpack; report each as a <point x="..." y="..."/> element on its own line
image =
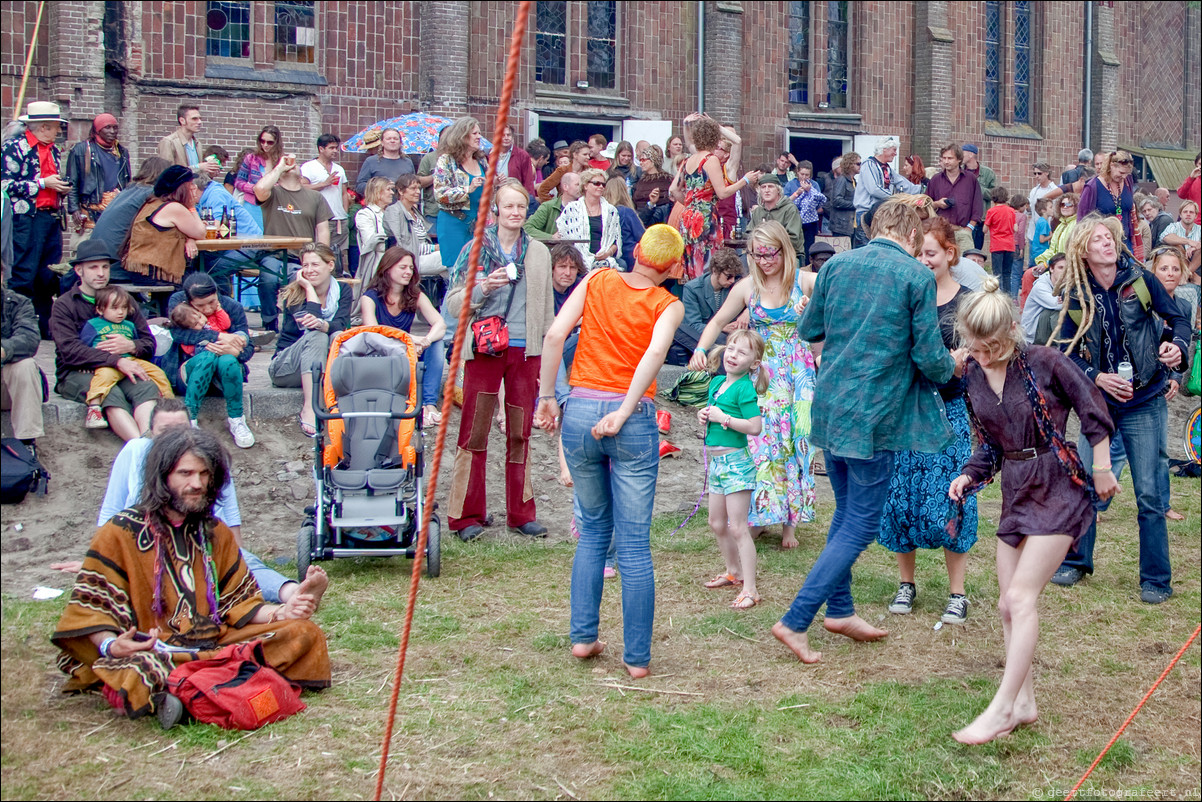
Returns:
<point x="235" y="689"/>
<point x="20" y="472"/>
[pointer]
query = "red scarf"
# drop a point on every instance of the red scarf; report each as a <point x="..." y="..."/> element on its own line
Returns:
<point x="46" y="198"/>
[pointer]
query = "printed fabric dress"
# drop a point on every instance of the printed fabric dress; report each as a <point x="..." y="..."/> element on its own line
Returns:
<point x="699" y="224"/>
<point x="917" y="508"/>
<point x="784" y="491"/>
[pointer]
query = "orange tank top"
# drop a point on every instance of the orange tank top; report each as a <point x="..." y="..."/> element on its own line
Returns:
<point x="615" y="332"/>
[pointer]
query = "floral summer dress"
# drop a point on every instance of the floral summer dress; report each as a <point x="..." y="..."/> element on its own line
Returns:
<point x="699" y="223"/>
<point x="784" y="491"/>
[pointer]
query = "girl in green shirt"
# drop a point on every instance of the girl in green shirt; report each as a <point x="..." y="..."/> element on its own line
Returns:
<point x="732" y="414"/>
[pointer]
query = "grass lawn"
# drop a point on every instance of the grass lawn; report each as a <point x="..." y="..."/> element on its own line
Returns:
<point x="492" y="704"/>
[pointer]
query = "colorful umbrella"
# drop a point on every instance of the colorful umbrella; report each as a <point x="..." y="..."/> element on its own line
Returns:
<point x="419" y="133"/>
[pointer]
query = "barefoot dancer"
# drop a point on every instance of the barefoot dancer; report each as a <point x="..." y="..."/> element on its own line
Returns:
<point x="610" y="437"/>
<point x="875" y="312"/>
<point x="1021" y="399"/>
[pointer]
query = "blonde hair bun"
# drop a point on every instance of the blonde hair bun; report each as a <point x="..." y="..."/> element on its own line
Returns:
<point x="990" y="284"/>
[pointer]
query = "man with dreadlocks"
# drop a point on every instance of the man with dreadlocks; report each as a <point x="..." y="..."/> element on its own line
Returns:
<point x="163" y="582"/>
<point x="1110" y="318"/>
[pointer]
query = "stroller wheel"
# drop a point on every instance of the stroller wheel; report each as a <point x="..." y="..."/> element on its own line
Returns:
<point x="434" y="548"/>
<point x="304" y="550"/>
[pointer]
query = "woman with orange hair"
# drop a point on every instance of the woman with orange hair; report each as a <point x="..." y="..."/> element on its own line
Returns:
<point x="610" y="439"/>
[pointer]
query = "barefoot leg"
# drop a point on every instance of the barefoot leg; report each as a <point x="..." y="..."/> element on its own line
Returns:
<point x="584" y="651"/>
<point x="637" y="672"/>
<point x="315" y="584"/>
<point x="1028" y="568"/>
<point x="956" y="565"/>
<point x="788" y="536"/>
<point x="905" y="566"/>
<point x="798" y="643"/>
<point x="854" y="627"/>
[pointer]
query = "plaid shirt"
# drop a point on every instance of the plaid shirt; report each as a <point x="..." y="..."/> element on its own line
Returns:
<point x="882" y="355"/>
<point x="21" y="170"/>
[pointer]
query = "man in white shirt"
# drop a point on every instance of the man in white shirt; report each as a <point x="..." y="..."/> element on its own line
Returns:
<point x="327" y="177"/>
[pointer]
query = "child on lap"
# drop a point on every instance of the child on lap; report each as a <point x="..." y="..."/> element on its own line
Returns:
<point x="113" y="306"/>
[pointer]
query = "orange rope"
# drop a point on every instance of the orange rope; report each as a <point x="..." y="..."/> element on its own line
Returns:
<point x="515" y="52"/>
<point x="1138" y="707"/>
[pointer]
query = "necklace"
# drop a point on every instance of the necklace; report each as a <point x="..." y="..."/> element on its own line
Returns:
<point x="1118" y="199"/>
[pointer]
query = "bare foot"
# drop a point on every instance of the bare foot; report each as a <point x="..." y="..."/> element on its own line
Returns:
<point x="565" y="478"/>
<point x="315" y="584"/>
<point x="855" y="628"/>
<point x="798" y="643"/>
<point x="986" y="727"/>
<point x="1173" y="515"/>
<point x="636" y="672"/>
<point x="70" y="567"/>
<point x="1026" y="712"/>
<point x="586" y="650"/>
<point x="788" y="541"/>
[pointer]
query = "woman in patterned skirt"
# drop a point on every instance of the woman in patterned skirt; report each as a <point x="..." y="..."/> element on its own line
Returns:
<point x="916" y="512"/>
<point x="775" y="293"/>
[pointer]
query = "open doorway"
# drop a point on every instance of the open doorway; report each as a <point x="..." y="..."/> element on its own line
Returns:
<point x="820" y="150"/>
<point x="571" y="130"/>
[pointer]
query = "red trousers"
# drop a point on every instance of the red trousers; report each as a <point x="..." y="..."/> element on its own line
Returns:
<point x="482" y="379"/>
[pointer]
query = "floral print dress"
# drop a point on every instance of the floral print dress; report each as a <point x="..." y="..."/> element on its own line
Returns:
<point x="699" y="223"/>
<point x="784" y="491"/>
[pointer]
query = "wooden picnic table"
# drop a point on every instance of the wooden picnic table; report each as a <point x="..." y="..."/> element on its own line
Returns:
<point x="260" y="243"/>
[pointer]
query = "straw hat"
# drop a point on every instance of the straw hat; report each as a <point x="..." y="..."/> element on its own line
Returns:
<point x="373" y="139"/>
<point x="42" y="111"/>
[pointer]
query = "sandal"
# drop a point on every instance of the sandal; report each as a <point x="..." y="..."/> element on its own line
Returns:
<point x="307" y="429"/>
<point x="724" y="581"/>
<point x="431" y="418"/>
<point x="744" y="601"/>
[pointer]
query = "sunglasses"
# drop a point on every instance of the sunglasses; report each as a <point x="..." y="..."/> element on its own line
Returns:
<point x="1037" y="172"/>
<point x="1122" y="161"/>
<point x="266" y="141"/>
<point x="764" y="256"/>
<point x="596" y="183"/>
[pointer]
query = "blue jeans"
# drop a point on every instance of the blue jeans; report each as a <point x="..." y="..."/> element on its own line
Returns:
<point x="433" y="363"/>
<point x="859" y="235"/>
<point x="1141" y="440"/>
<point x="615" y="493"/>
<point x="1008" y="271"/>
<point x="270" y="581"/>
<point x="861" y="486"/>
<point x="269" y="288"/>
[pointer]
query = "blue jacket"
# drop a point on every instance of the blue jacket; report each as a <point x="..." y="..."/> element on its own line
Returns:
<point x="632" y="232"/>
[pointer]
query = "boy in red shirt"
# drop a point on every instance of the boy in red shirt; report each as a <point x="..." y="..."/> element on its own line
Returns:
<point x="1000" y="221"/>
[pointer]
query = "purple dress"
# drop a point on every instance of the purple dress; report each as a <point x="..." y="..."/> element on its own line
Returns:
<point x="1038" y="496"/>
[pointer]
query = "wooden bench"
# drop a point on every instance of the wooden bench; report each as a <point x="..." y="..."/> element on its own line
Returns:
<point x="156" y="295"/>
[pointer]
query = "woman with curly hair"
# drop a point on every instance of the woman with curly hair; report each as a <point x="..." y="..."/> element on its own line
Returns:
<point x="269" y="150"/>
<point x="458" y="185"/>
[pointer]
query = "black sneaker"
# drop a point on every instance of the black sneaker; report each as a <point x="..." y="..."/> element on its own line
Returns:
<point x="956" y="611"/>
<point x="169" y="710"/>
<point x="903" y="602"/>
<point x="1067" y="577"/>
<point x="472" y="532"/>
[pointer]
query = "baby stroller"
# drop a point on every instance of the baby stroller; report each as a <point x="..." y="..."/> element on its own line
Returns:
<point x="368" y="453"/>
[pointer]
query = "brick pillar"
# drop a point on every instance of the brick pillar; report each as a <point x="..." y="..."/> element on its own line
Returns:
<point x="442" y="85"/>
<point x="76" y="59"/>
<point x="724" y="57"/>
<point x="1105" y="82"/>
<point x="934" y="67"/>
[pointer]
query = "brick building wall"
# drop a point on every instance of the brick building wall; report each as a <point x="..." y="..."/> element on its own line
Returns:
<point x="916" y="71"/>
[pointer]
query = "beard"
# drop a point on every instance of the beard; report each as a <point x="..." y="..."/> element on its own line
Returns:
<point x="191" y="506"/>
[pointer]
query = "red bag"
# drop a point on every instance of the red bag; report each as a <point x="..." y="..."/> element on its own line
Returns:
<point x="235" y="689"/>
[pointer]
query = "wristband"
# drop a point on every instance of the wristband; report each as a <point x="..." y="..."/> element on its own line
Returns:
<point x="105" y="645"/>
<point x="1102" y="468"/>
<point x="542" y="398"/>
<point x="699" y="349"/>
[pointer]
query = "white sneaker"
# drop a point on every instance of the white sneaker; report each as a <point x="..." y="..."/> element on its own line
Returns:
<point x="243" y="438"/>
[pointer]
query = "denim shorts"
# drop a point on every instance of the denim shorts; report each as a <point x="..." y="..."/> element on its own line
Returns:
<point x="731" y="472"/>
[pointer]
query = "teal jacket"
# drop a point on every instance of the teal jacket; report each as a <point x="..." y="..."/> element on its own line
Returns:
<point x="882" y="354"/>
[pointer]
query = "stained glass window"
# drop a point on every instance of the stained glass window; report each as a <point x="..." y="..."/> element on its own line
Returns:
<point x="993" y="60"/>
<point x="228" y="29"/>
<point x="799" y="51"/>
<point x="836" y="53"/>
<point x="550" y="42"/>
<point x="295" y="31"/>
<point x="602" y="43"/>
<point x="1022" y="61"/>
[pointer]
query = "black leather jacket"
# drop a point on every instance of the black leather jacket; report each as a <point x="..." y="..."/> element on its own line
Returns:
<point x="85" y="174"/>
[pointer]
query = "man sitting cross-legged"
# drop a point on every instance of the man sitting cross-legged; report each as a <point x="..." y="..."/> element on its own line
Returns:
<point x="167" y="569"/>
<point x="125" y="490"/>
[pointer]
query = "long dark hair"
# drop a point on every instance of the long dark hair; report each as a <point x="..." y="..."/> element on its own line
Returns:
<point x="382" y="284"/>
<point x="277" y="150"/>
<point x="165" y="453"/>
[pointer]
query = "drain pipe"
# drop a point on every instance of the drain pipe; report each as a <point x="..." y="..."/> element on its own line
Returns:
<point x="700" y="55"/>
<point x="1088" y="131"/>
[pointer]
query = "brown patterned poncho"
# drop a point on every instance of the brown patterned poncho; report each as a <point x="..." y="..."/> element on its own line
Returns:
<point x="115" y="590"/>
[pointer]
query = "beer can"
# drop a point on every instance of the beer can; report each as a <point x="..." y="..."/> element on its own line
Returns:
<point x="1126" y="372"/>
